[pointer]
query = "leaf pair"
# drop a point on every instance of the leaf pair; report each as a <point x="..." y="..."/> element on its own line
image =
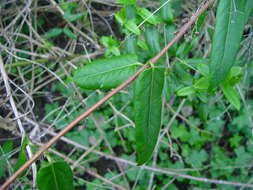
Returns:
<point x="110" y="73"/>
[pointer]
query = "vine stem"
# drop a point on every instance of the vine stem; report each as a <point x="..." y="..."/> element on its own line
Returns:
<point x="36" y="156"/>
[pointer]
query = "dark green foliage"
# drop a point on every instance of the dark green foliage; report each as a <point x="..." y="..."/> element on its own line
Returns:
<point x="55" y="175"/>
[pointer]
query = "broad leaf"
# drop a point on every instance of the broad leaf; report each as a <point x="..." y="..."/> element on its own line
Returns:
<point x="148" y="108"/>
<point x="106" y="73"/>
<point x="55" y="176"/>
<point x="231" y="18"/>
<point x="231" y="95"/>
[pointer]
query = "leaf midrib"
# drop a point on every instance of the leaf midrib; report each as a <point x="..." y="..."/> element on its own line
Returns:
<point x="54" y="176"/>
<point x="112" y="70"/>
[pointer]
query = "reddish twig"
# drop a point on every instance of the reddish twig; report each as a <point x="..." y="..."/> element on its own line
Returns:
<point x="36" y="156"/>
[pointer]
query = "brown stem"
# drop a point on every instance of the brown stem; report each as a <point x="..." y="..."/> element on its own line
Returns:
<point x="104" y="99"/>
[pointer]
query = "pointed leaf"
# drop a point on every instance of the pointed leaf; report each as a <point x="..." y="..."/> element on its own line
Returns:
<point x="69" y="33"/>
<point x="231" y="18"/>
<point x="53" y="33"/>
<point x="231" y="95"/>
<point x="148" y="108"/>
<point x="189" y="90"/>
<point x="106" y="73"/>
<point x="146" y="14"/>
<point x="132" y="27"/>
<point x="56" y="175"/>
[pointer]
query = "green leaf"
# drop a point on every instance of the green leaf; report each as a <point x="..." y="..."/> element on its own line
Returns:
<point x="73" y="17"/>
<point x="22" y="154"/>
<point x="231" y="18"/>
<point x="148" y="108"/>
<point x="131" y="44"/>
<point x="202" y="84"/>
<point x="69" y="33"/>
<point x="231" y="95"/>
<point x="106" y="73"/>
<point x="56" y="175"/>
<point x="53" y="33"/>
<point x="167" y="12"/>
<point x="189" y="90"/>
<point x="126" y="2"/>
<point x="132" y="27"/>
<point x="5" y="149"/>
<point x="146" y="14"/>
<point x="152" y="38"/>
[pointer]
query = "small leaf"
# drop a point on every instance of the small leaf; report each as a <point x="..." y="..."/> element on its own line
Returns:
<point x="142" y="44"/>
<point x="52" y="33"/>
<point x="146" y="14"/>
<point x="55" y="176"/>
<point x="189" y="90"/>
<point x="106" y="73"/>
<point x="202" y="84"/>
<point x="132" y="27"/>
<point x="70" y="34"/>
<point x="203" y="69"/>
<point x="148" y="110"/>
<point x="120" y="16"/>
<point x="73" y="17"/>
<point x="231" y="16"/>
<point x="231" y="95"/>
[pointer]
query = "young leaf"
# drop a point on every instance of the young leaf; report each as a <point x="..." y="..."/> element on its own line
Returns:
<point x="231" y="95"/>
<point x="132" y="27"/>
<point x="69" y="33"/>
<point x="73" y="17"/>
<point x="56" y="175"/>
<point x="148" y="108"/>
<point x="186" y="91"/>
<point x="52" y="33"/>
<point x="106" y="73"/>
<point x="231" y="18"/>
<point x="146" y="14"/>
<point x="202" y="84"/>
